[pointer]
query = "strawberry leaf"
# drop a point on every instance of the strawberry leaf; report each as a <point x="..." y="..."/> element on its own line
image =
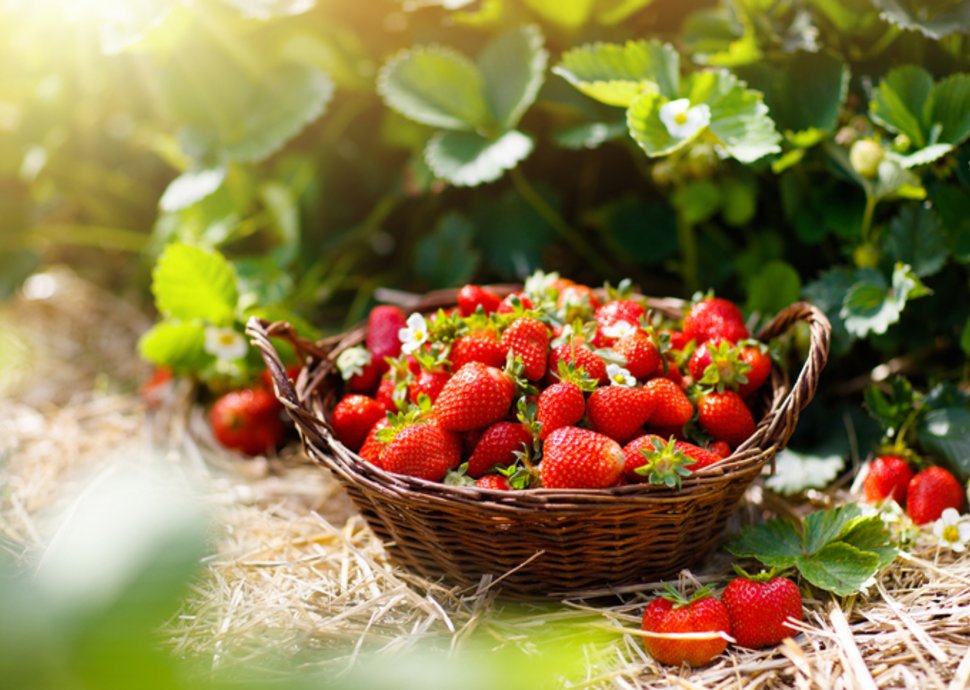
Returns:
<point x="774" y="543"/>
<point x="192" y="283"/>
<point x="618" y="74"/>
<point x="513" y="66"/>
<point x="177" y="345"/>
<point x="467" y="159"/>
<point x="839" y="568"/>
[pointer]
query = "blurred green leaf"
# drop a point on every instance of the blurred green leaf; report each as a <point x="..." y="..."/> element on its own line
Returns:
<point x="773" y="287"/>
<point x="179" y="345"/>
<point x="513" y="236"/>
<point x="285" y="220"/>
<point x="892" y="409"/>
<point x="714" y="37"/>
<point x="617" y="74"/>
<point x="513" y="66"/>
<point x="15" y="267"/>
<point x="946" y="433"/>
<point x="839" y="568"/>
<point x="740" y="200"/>
<point x="191" y="187"/>
<point x="570" y="15"/>
<point x="192" y="283"/>
<point x="806" y="94"/>
<point x="934" y="18"/>
<point x="872" y="306"/>
<point x="697" y="200"/>
<point x="643" y="232"/>
<point x="590" y="135"/>
<point x="916" y="238"/>
<point x="466" y="159"/>
<point x="907" y="101"/>
<point x="447" y="256"/>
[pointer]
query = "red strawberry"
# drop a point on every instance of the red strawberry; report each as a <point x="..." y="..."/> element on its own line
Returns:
<point x="721" y="448"/>
<point x="619" y="412"/>
<point x="475" y="396"/>
<point x="755" y="356"/>
<point x="422" y="450"/>
<point x="428" y="383"/>
<point x="712" y="318"/>
<point x="529" y="339"/>
<point x="930" y="492"/>
<point x="561" y="404"/>
<point x="717" y="362"/>
<point x="650" y="458"/>
<point x="158" y="387"/>
<point x="576" y="296"/>
<point x="248" y="420"/>
<point x="641" y="354"/>
<point x="759" y="609"/>
<point x="888" y="477"/>
<point x="620" y="310"/>
<point x="498" y="446"/>
<point x="495" y="482"/>
<point x="373" y="448"/>
<point x="575" y="458"/>
<point x="383" y="326"/>
<point x="671" y="407"/>
<point x="678" y="341"/>
<point x="578" y="355"/>
<point x="508" y="305"/>
<point x="471" y="297"/>
<point x="479" y="346"/>
<point x="368" y="379"/>
<point x="672" y="613"/>
<point x="353" y="417"/>
<point x="725" y="417"/>
<point x="386" y="394"/>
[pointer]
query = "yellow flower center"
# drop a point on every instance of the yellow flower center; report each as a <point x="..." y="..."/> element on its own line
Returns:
<point x="951" y="534"/>
<point x="681" y="118"/>
<point x="227" y="339"/>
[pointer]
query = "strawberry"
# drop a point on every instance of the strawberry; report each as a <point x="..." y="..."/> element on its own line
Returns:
<point x="930" y="492"/>
<point x="578" y="355"/>
<point x="422" y="450"/>
<point x="712" y="318"/>
<point x="428" y="383"/>
<point x="353" y="417"/>
<point x="498" y="446"/>
<point x="888" y="477"/>
<point x="383" y="327"/>
<point x="495" y="482"/>
<point x="673" y="613"/>
<point x="157" y="388"/>
<point x="718" y="363"/>
<point x="509" y="306"/>
<point x="725" y="417"/>
<point x="641" y="354"/>
<point x="759" y="606"/>
<point x="721" y="448"/>
<point x="247" y="420"/>
<point x="671" y="407"/>
<point x="528" y="339"/>
<point x="471" y="297"/>
<point x="561" y="404"/>
<point x="619" y="412"/>
<point x="650" y="458"/>
<point x="575" y="297"/>
<point x="678" y="341"/>
<point x="620" y="310"/>
<point x="575" y="458"/>
<point x="360" y="370"/>
<point x="373" y="447"/>
<point x="478" y="346"/>
<point x="387" y="394"/>
<point x="475" y="396"/>
<point x="756" y="357"/>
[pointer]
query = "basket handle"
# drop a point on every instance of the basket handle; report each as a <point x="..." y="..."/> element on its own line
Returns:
<point x="782" y="424"/>
<point x="260" y="332"/>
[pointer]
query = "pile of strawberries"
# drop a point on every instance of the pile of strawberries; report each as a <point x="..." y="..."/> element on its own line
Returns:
<point x="551" y="386"/>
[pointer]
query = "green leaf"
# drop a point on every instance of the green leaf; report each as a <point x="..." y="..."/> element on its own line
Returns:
<point x="916" y="238"/>
<point x="740" y="200"/>
<point x="589" y="135"/>
<point x="643" y="232"/>
<point x="824" y="526"/>
<point x="178" y="345"/>
<point x="795" y="472"/>
<point x="569" y="15"/>
<point x="288" y="99"/>
<point x="965" y="337"/>
<point x="839" y="568"/>
<point x="934" y="19"/>
<point x="774" y="543"/>
<point x="436" y="86"/>
<point x="191" y="187"/>
<point x="713" y="37"/>
<point x="647" y="129"/>
<point x="951" y="109"/>
<point x="899" y="100"/>
<point x="697" y="200"/>
<point x="923" y="156"/>
<point x="192" y="283"/>
<point x="513" y="66"/>
<point x="945" y="433"/>
<point x="611" y="12"/>
<point x="466" y="159"/>
<point x="871" y="306"/>
<point x="739" y="116"/>
<point x="872" y="534"/>
<point x="806" y="95"/>
<point x="285" y="218"/>
<point x="828" y="294"/>
<point x="775" y="286"/>
<point x="891" y="410"/>
<point x="447" y="256"/>
<point x="617" y="74"/>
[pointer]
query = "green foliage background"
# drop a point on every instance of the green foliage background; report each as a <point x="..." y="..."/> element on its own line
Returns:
<point x="328" y="148"/>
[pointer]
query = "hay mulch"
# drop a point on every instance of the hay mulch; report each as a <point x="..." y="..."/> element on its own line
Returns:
<point x="296" y="574"/>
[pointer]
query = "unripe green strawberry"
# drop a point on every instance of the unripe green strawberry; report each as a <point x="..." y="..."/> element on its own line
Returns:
<point x="725" y="417"/>
<point x="353" y="417"/>
<point x="619" y="412"/>
<point x="528" y="339"/>
<point x="498" y="446"/>
<point x="575" y="458"/>
<point x="422" y="450"/>
<point x="702" y="614"/>
<point x="888" y="477"/>
<point x="474" y="397"/>
<point x="671" y="407"/>
<point x="759" y="610"/>
<point x="930" y="492"/>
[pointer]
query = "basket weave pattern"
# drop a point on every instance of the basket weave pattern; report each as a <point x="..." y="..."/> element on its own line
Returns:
<point x="541" y="541"/>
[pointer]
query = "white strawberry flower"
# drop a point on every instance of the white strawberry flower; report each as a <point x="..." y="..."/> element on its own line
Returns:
<point x="683" y="120"/>
<point x="620" y="329"/>
<point x="951" y="531"/>
<point x="351" y="362"/>
<point x="414" y="335"/>
<point x="620" y="376"/>
<point x="224" y="343"/>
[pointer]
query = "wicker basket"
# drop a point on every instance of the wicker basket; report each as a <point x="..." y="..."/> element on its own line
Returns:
<point x="541" y="542"/>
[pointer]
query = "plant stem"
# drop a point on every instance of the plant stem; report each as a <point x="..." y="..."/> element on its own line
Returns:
<point x="867" y="216"/>
<point x="687" y="239"/>
<point x="571" y="235"/>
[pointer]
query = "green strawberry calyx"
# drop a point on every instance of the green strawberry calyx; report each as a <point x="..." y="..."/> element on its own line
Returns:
<point x="419" y="413"/>
<point x="726" y="370"/>
<point x="680" y="600"/>
<point x="666" y="465"/>
<point x="763" y="576"/>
